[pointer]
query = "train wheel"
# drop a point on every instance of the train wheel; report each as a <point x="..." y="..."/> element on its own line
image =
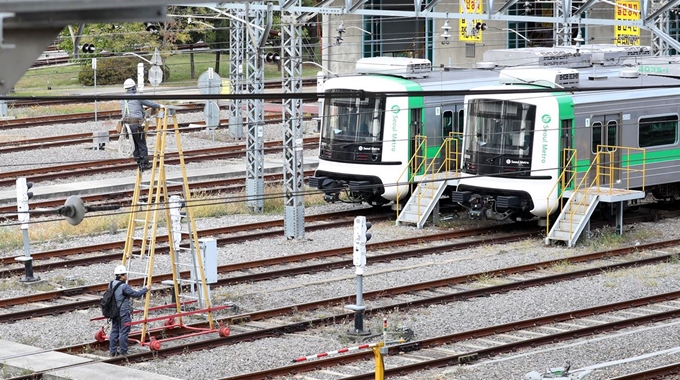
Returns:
<point x="224" y="331"/>
<point x="125" y="143"/>
<point x="100" y="336"/>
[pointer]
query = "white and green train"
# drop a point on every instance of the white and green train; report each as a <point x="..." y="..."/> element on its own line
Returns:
<point x="513" y="144"/>
<point x="370" y="137"/>
<point x="367" y="138"/>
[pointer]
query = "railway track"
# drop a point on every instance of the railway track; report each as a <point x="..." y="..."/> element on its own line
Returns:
<point x="81" y="138"/>
<point x="464" y="339"/>
<point x="80" y="117"/>
<point x="270" y="84"/>
<point x="124" y="198"/>
<point x="36" y="175"/>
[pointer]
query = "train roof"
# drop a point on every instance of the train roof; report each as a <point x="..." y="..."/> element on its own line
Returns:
<point x="620" y="81"/>
<point x="575" y="56"/>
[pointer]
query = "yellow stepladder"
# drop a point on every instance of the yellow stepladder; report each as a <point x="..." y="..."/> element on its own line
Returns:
<point x="142" y="264"/>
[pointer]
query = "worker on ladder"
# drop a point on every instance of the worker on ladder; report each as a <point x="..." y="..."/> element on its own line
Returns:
<point x="133" y="115"/>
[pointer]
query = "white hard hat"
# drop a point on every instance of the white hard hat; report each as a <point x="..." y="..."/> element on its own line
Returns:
<point x="120" y="269"/>
<point x="129" y="83"/>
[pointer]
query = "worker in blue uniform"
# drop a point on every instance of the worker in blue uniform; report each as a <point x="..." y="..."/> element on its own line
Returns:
<point x="133" y="115"/>
<point x="119" y="332"/>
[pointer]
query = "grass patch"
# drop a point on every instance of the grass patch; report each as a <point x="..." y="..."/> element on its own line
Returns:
<point x="605" y="238"/>
<point x="58" y="231"/>
<point x="37" y="81"/>
<point x="229" y="204"/>
<point x="65" y="109"/>
<point x="204" y="206"/>
<point x="562" y="266"/>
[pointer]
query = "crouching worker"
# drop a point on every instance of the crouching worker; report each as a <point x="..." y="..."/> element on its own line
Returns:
<point x="133" y="115"/>
<point x="119" y="332"/>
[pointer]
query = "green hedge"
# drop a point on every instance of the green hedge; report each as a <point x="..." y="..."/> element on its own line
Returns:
<point x="114" y="70"/>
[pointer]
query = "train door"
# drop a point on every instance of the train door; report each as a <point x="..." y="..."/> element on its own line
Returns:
<point x="605" y="132"/>
<point x="452" y="126"/>
<point x="417" y="130"/>
<point x="567" y="163"/>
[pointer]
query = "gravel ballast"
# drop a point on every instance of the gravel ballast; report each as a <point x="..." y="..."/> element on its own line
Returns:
<point x="602" y="349"/>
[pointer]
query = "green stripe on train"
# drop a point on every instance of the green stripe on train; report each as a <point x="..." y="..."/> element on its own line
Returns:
<point x="653" y="157"/>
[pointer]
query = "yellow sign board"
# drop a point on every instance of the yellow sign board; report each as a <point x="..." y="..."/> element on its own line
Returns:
<point x="627" y="10"/>
<point x="471" y="34"/>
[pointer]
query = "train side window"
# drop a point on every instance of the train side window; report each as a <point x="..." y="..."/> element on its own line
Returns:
<point x="459" y="127"/>
<point x="596" y="136"/>
<point x="658" y="130"/>
<point x="612" y="134"/>
<point x="447" y="123"/>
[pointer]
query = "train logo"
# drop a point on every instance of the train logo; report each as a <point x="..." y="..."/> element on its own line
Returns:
<point x="546" y="119"/>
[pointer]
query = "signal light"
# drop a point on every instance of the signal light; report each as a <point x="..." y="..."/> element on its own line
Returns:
<point x="272" y="57"/>
<point x="360" y="239"/>
<point x="23" y="195"/>
<point x="88" y="48"/>
<point x="480" y="26"/>
<point x="151" y="27"/>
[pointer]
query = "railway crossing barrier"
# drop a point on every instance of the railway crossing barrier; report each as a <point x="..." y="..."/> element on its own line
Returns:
<point x="379" y="349"/>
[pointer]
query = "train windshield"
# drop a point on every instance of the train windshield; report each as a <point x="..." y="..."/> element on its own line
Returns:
<point x="499" y="135"/>
<point x="352" y="125"/>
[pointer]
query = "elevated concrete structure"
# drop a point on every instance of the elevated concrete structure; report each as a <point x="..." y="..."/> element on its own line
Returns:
<point x="16" y="359"/>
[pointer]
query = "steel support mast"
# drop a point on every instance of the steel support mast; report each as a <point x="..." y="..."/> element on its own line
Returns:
<point x="659" y="46"/>
<point x="562" y="10"/>
<point x="236" y="73"/>
<point x="254" y="74"/>
<point x="293" y="175"/>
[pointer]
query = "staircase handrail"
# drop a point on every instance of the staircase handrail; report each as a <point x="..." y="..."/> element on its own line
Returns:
<point x="434" y="170"/>
<point x="569" y="155"/>
<point x="420" y="146"/>
<point x="626" y="171"/>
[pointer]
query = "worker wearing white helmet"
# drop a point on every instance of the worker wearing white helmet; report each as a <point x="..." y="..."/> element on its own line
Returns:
<point x="133" y="115"/>
<point x="119" y="332"/>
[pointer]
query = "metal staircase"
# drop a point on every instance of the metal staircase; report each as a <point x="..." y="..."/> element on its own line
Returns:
<point x="425" y="198"/>
<point x="574" y="218"/>
<point x="608" y="179"/>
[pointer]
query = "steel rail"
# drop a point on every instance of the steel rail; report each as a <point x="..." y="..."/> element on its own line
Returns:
<point x="78" y="117"/>
<point x="451" y="297"/>
<point x="655" y="373"/>
<point x="410" y="346"/>
<point x="122" y="198"/>
<point x="415" y="345"/>
<point x="172" y="158"/>
<point x="47" y="296"/>
<point x="80" y="138"/>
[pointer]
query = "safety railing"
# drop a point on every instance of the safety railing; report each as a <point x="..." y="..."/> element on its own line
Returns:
<point x="450" y="156"/>
<point x="565" y="179"/>
<point x="607" y="170"/>
<point x="624" y="169"/>
<point x="417" y="161"/>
